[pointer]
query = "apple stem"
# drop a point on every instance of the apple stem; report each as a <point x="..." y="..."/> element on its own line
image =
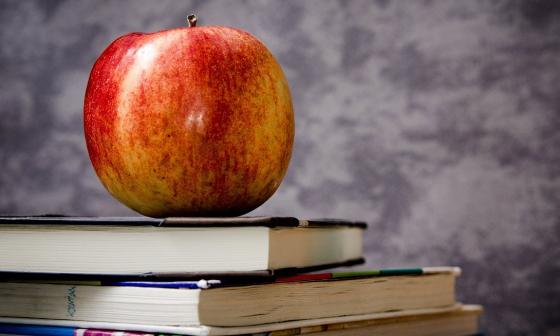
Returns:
<point x="191" y="20"/>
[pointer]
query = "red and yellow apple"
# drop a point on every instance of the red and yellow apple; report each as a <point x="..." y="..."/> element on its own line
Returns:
<point x="193" y="121"/>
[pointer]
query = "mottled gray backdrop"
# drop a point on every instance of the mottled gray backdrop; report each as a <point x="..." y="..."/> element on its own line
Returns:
<point x="435" y="121"/>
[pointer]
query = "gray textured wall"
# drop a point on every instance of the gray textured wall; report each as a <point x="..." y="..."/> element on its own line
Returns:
<point x="435" y="121"/>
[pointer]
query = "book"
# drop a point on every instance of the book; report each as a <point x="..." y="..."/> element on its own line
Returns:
<point x="214" y="304"/>
<point x="450" y="321"/>
<point x="174" y="247"/>
<point x="7" y="329"/>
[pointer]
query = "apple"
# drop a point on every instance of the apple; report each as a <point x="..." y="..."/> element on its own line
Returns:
<point x="192" y="121"/>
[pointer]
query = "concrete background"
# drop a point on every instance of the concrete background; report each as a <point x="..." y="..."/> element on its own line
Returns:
<point x="435" y="121"/>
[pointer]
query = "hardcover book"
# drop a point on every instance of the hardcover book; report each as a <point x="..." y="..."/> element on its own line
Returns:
<point x="209" y="303"/>
<point x="174" y="247"/>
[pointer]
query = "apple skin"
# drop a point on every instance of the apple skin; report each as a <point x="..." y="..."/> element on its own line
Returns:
<point x="194" y="121"/>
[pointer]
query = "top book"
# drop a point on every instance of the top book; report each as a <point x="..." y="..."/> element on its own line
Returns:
<point x="174" y="247"/>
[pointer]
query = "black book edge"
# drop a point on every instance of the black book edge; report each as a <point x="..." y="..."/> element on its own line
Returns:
<point x="79" y="220"/>
<point x="298" y="270"/>
<point x="271" y="222"/>
<point x="230" y="221"/>
<point x="249" y="277"/>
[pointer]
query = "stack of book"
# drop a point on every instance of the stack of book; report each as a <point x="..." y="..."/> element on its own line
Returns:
<point x="224" y="276"/>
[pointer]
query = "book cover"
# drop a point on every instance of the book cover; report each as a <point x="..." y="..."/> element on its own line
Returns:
<point x="53" y="330"/>
<point x="232" y="280"/>
<point x="266" y="221"/>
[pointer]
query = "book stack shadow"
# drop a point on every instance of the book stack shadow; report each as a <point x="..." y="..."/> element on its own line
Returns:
<point x="102" y="276"/>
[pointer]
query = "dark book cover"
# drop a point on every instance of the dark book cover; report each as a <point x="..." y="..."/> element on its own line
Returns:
<point x="181" y="221"/>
